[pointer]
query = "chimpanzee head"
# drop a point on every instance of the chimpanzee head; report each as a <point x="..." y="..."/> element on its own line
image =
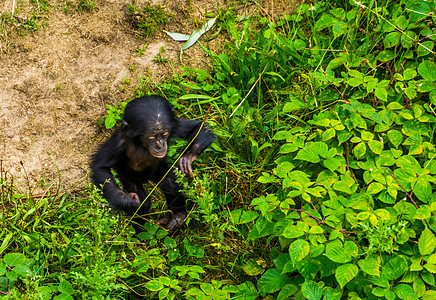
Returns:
<point x="148" y="122"/>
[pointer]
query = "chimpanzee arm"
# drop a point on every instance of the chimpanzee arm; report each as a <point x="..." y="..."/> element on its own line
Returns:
<point x="103" y="160"/>
<point x="188" y="129"/>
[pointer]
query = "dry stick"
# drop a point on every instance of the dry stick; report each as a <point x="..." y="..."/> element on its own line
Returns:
<point x="249" y="92"/>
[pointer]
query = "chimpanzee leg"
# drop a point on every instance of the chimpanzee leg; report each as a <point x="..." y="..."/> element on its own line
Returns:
<point x="175" y="199"/>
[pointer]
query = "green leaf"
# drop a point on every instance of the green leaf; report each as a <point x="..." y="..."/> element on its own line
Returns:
<point x="370" y="266"/>
<point x="325" y="21"/>
<point x="375" y="146"/>
<point x="252" y="267"/>
<point x="66" y="287"/>
<point x="392" y="39"/>
<point x="426" y="242"/>
<point x="425" y="48"/>
<point x="298" y="250"/>
<point x="272" y="281"/>
<point x="14" y="259"/>
<point x="381" y="93"/>
<point x="196" y="34"/>
<point x="423" y="190"/>
<point x="312" y="152"/>
<point x="311" y="290"/>
<point x="154" y="285"/>
<point x="405" y="292"/>
<point x="386" y="55"/>
<point x="395" y="267"/>
<point x="375" y="188"/>
<point x="345" y="273"/>
<point x="427" y="70"/>
<point x="353" y="81"/>
<point x="366" y="135"/>
<point x="336" y="252"/>
<point x="395" y="106"/>
<point x="359" y="150"/>
<point x="287" y="292"/>
<point x="395" y="137"/>
<point x="328" y="134"/>
<point x="178" y="37"/>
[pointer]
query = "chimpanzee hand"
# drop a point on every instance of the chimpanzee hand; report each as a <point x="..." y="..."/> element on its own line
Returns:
<point x="185" y="164"/>
<point x="131" y="201"/>
<point x="172" y="221"/>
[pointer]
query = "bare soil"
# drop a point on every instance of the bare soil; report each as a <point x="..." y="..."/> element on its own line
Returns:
<point x="56" y="82"/>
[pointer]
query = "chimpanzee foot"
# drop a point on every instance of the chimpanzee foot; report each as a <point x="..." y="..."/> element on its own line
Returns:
<point x="172" y="221"/>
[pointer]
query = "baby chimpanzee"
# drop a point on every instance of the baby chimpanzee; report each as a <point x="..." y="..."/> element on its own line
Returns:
<point x="137" y="152"/>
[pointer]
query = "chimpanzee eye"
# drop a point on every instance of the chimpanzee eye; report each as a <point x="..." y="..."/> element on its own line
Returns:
<point x="165" y="133"/>
<point x="151" y="137"/>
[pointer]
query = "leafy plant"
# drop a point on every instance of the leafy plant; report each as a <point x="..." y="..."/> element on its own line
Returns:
<point x="149" y="19"/>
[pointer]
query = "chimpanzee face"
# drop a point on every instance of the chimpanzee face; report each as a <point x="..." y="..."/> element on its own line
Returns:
<point x="156" y="142"/>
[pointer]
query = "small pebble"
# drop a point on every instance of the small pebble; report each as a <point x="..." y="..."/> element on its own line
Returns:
<point x="11" y="135"/>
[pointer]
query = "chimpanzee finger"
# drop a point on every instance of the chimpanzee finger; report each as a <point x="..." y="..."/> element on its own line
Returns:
<point x="164" y="220"/>
<point x="135" y="197"/>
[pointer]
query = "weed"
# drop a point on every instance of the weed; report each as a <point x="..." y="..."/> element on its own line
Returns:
<point x="159" y="57"/>
<point x="149" y="19"/>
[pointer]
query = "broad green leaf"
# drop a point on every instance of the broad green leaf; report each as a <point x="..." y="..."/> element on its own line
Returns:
<point x="66" y="287"/>
<point x="375" y="146"/>
<point x="359" y="150"/>
<point x="328" y="134"/>
<point x="423" y="190"/>
<point x="392" y="39"/>
<point x="154" y="285"/>
<point x="287" y="292"/>
<point x="395" y="137"/>
<point x="381" y="93"/>
<point x="426" y="242"/>
<point x="427" y="69"/>
<point x="366" y="135"/>
<point x="252" y="267"/>
<point x="395" y="267"/>
<point x="345" y="273"/>
<point x="14" y="259"/>
<point x="298" y="250"/>
<point x="395" y="106"/>
<point x="292" y="231"/>
<point x="311" y="290"/>
<point x="339" y="29"/>
<point x="353" y="81"/>
<point x="409" y="74"/>
<point x="375" y="187"/>
<point x="332" y="294"/>
<point x="405" y="292"/>
<point x="386" y="55"/>
<point x="336" y="252"/>
<point x="425" y="48"/>
<point x="370" y="266"/>
<point x="312" y="152"/>
<point x="325" y="21"/>
<point x="272" y="281"/>
<point x="333" y="163"/>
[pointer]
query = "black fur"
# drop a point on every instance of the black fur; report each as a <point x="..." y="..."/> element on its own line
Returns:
<point x="137" y="152"/>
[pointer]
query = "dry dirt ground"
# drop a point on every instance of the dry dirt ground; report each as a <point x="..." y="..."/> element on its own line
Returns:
<point x="55" y="82"/>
